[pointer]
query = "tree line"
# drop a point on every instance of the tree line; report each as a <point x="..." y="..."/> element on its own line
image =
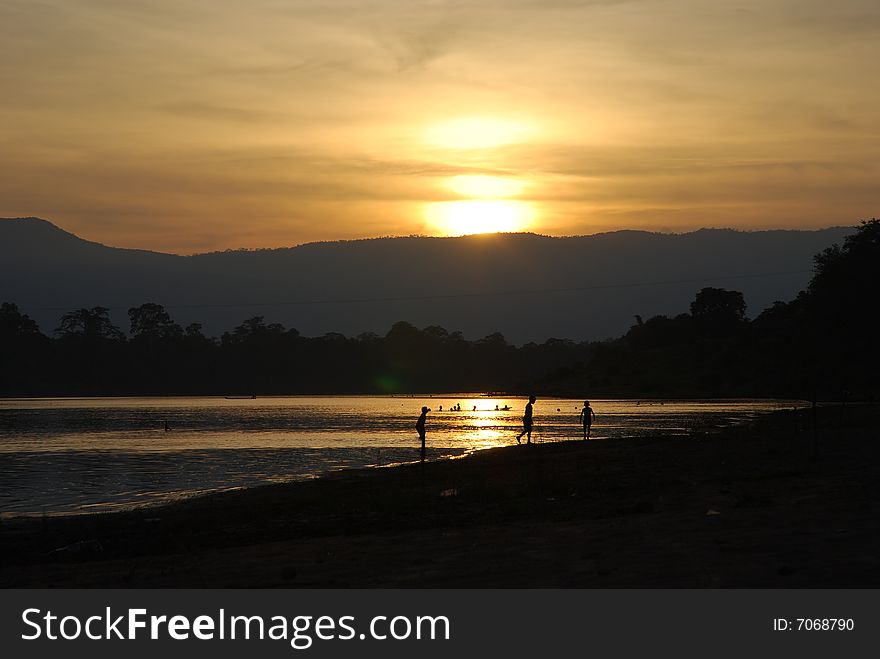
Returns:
<point x="89" y="355"/>
<point x="822" y="344"/>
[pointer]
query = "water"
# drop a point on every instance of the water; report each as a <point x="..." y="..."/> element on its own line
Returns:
<point x="99" y="454"/>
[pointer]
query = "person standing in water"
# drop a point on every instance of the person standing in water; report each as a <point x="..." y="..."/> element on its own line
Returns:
<point x="527" y="422"/>
<point x="420" y="427"/>
<point x="587" y="416"/>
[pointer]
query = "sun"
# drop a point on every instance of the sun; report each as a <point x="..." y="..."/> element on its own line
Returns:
<point x="489" y="208"/>
<point x="484" y="203"/>
<point x="459" y="218"/>
<point x="476" y="133"/>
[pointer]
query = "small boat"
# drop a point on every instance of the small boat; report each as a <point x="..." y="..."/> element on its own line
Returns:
<point x="241" y="397"/>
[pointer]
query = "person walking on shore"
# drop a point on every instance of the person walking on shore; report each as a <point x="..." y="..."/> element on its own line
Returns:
<point x="420" y="427"/>
<point x="527" y="422"/>
<point x="587" y="416"/>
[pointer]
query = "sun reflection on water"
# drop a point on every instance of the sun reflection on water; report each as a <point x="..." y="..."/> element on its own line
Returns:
<point x="87" y="454"/>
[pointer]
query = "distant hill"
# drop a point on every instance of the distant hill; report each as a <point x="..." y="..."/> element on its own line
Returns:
<point x="526" y="286"/>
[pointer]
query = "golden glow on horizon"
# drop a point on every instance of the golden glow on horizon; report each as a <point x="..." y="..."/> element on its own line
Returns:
<point x="460" y="218"/>
<point x="477" y="133"/>
<point x="488" y="211"/>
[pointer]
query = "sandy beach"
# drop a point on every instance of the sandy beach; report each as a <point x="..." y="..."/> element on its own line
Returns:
<point x="760" y="505"/>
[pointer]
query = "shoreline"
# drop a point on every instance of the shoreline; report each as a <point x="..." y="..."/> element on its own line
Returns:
<point x="65" y="470"/>
<point x="747" y="506"/>
<point x="122" y="508"/>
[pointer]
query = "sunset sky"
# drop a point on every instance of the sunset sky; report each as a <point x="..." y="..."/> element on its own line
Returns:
<point x="195" y="125"/>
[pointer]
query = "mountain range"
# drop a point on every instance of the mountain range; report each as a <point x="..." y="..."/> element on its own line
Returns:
<point x="528" y="287"/>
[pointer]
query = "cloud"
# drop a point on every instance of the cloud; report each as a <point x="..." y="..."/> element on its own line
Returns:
<point x="195" y="110"/>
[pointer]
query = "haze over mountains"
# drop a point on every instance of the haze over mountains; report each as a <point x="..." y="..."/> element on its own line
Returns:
<point x="526" y="286"/>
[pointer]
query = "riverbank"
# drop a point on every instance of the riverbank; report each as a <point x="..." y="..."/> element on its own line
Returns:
<point x="758" y="505"/>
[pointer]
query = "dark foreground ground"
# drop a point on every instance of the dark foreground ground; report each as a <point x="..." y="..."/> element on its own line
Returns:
<point x="751" y="506"/>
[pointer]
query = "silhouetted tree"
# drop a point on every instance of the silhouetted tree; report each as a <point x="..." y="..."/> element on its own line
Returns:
<point x="436" y="333"/>
<point x="15" y="324"/>
<point x="253" y="329"/>
<point x="25" y="354"/>
<point x="194" y="331"/>
<point x="839" y="268"/>
<point x="150" y="321"/>
<point x="91" y="323"/>
<point x="839" y="313"/>
<point x="718" y="303"/>
<point x="718" y="312"/>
